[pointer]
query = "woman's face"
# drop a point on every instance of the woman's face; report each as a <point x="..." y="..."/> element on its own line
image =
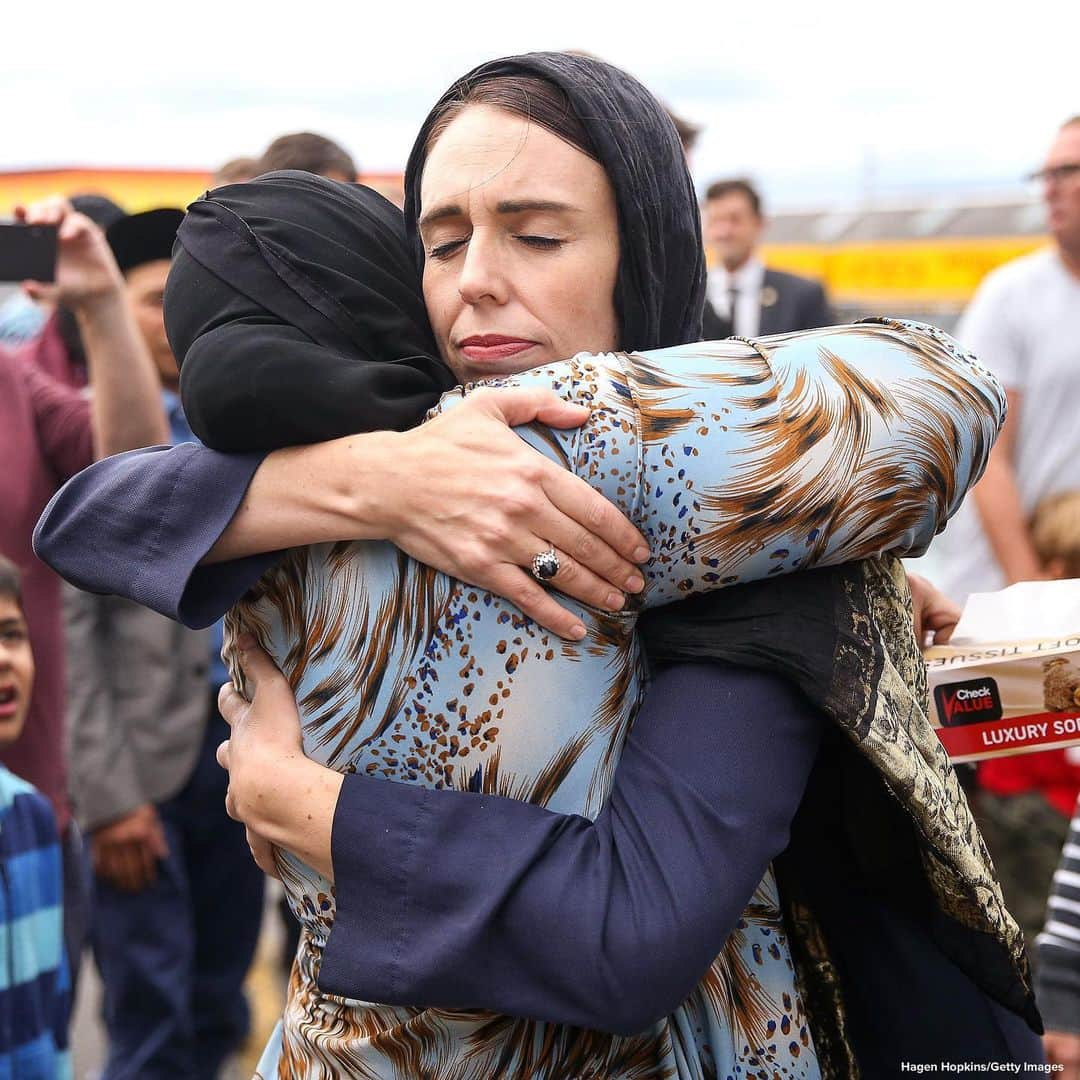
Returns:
<point x="521" y="239"/>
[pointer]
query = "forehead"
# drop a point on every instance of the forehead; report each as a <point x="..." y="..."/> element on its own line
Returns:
<point x="148" y="276"/>
<point x="1066" y="147"/>
<point x="9" y="608"/>
<point x="487" y="154"/>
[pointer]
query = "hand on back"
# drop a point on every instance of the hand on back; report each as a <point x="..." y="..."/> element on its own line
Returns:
<point x="470" y="498"/>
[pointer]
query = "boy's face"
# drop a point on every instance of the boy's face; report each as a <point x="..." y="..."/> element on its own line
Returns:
<point x="16" y="670"/>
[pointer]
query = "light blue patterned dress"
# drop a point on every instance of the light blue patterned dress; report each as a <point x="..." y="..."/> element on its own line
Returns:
<point x="738" y="461"/>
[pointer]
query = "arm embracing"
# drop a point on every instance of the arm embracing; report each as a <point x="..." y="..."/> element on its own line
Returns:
<point x="606" y="924"/>
<point x="816" y="449"/>
<point x="137" y="524"/>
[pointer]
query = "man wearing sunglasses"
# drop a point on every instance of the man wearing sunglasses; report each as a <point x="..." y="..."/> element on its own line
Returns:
<point x="1024" y="323"/>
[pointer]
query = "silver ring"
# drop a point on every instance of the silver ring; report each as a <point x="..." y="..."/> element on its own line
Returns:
<point x="545" y="565"/>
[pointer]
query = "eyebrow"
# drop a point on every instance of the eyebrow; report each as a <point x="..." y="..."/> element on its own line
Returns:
<point x="507" y="206"/>
<point x="13" y="623"/>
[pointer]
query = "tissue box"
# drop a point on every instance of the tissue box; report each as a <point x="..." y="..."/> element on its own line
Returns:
<point x="1015" y="697"/>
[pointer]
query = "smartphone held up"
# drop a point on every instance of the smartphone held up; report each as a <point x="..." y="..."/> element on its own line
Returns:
<point x="27" y="252"/>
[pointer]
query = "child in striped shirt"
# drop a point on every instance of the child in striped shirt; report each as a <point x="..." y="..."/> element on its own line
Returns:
<point x="34" y="987"/>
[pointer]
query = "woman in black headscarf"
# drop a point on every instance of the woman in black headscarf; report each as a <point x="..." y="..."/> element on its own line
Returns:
<point x="293" y="310"/>
<point x="646" y="310"/>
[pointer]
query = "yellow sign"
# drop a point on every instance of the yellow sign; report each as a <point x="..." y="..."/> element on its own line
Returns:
<point x="943" y="271"/>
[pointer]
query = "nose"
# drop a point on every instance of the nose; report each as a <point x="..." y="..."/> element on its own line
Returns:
<point x="483" y="273"/>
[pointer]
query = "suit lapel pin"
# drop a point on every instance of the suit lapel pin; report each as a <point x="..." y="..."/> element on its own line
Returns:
<point x="769" y="296"/>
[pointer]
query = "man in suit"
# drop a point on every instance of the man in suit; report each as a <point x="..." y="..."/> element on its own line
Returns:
<point x="745" y="298"/>
<point x="177" y="908"/>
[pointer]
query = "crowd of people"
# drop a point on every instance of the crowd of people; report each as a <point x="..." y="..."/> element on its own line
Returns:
<point x="283" y="591"/>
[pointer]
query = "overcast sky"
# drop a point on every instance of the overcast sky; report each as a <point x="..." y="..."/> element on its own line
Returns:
<point x="822" y="103"/>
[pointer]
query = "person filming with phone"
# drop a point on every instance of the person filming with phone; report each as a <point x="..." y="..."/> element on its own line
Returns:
<point x="48" y="432"/>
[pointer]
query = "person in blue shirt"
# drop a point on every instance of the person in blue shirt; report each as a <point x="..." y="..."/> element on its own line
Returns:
<point x="34" y="987"/>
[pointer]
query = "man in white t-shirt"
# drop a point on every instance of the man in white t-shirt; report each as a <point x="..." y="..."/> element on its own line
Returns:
<point x="1024" y="324"/>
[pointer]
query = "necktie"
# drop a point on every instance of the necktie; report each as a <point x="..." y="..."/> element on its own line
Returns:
<point x="733" y="312"/>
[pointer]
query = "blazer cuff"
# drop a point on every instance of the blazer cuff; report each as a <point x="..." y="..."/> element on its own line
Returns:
<point x="373" y="908"/>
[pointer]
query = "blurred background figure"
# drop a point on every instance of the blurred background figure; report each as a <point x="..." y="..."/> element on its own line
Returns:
<point x="745" y="298"/>
<point x="1024" y="324"/>
<point x="57" y="347"/>
<point x="23" y="319"/>
<point x="1058" y="975"/>
<point x="689" y="132"/>
<point x="177" y="906"/>
<point x="235" y="171"/>
<point x="311" y="153"/>
<point x="49" y="430"/>
<point x="37" y="990"/>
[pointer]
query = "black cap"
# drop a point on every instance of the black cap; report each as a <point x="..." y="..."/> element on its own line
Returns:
<point x="143" y="238"/>
<point x="100" y="209"/>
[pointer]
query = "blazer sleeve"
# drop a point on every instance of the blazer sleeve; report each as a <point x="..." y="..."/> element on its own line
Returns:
<point x="138" y="524"/>
<point x="452" y="899"/>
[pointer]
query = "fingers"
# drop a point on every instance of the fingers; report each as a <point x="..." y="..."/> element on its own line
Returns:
<point x="603" y="526"/>
<point x="262" y="851"/>
<point x="522" y="406"/>
<point x="533" y="600"/>
<point x="222" y="755"/>
<point x="146" y="860"/>
<point x="37" y="290"/>
<point x="127" y="868"/>
<point x="601" y="537"/>
<point x="575" y="580"/>
<point x="260" y="672"/>
<point x="230" y="704"/>
<point x="50" y="211"/>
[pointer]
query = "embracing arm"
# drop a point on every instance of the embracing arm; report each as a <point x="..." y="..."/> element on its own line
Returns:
<point x="432" y="490"/>
<point x="815" y="449"/>
<point x="458" y="900"/>
<point x="137" y="525"/>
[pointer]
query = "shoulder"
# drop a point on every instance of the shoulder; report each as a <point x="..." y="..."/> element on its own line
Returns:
<point x="781" y="279"/>
<point x="1019" y="275"/>
<point x="28" y="818"/>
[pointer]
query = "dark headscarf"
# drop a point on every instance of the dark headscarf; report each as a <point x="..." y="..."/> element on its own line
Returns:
<point x="296" y="315"/>
<point x="660" y="291"/>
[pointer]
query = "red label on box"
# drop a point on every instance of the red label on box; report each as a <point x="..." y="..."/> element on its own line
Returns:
<point x="1040" y="731"/>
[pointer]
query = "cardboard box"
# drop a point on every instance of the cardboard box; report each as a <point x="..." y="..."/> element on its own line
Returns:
<point x="1015" y="697"/>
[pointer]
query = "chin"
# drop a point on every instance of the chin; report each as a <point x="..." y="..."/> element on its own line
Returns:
<point x="10" y="730"/>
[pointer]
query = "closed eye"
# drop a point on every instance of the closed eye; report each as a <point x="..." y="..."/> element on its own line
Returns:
<point x="445" y="250"/>
<point x="545" y="243"/>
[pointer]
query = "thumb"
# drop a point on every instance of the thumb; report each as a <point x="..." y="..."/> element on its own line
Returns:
<point x="520" y="406"/>
<point x="37" y="290"/>
<point x="260" y="672"/>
